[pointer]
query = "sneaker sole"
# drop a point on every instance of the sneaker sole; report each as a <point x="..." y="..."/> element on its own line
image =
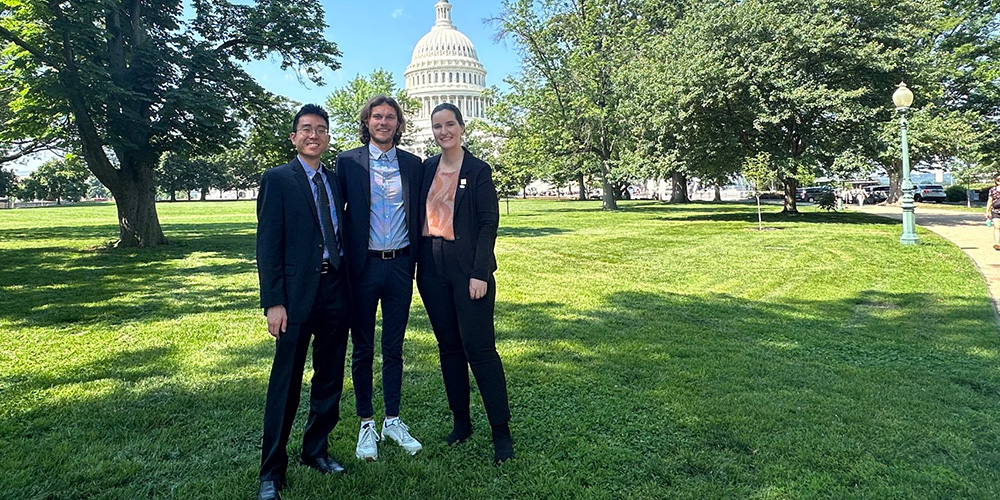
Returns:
<point x="366" y="458"/>
<point x="410" y="450"/>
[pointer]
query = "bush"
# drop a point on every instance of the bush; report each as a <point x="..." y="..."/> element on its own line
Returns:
<point x="957" y="193"/>
<point x="826" y="200"/>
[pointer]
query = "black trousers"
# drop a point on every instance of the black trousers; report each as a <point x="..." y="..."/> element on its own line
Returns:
<point x="327" y="325"/>
<point x="464" y="331"/>
<point x="388" y="282"/>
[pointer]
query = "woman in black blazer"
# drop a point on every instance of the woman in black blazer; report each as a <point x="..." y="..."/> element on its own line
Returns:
<point x="455" y="278"/>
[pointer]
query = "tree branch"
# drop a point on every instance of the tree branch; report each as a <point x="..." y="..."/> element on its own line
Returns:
<point x="12" y="37"/>
<point x="33" y="146"/>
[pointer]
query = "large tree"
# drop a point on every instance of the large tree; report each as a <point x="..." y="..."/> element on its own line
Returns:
<point x="573" y="53"/>
<point x="139" y="78"/>
<point x="8" y="182"/>
<point x="57" y="179"/>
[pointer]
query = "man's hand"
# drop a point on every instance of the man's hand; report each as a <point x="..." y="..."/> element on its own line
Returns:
<point x="277" y="321"/>
<point x="477" y="289"/>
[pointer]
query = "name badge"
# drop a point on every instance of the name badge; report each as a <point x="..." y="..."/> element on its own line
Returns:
<point x="461" y="183"/>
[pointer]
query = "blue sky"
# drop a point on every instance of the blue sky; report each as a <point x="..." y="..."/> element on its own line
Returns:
<point x="375" y="34"/>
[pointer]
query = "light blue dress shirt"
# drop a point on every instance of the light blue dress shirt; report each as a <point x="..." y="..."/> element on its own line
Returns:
<point x="333" y="208"/>
<point x="387" y="228"/>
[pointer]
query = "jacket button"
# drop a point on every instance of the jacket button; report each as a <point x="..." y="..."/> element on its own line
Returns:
<point x="457" y="238"/>
<point x="321" y="245"/>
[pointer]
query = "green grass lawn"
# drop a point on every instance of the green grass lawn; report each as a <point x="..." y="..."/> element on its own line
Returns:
<point x="655" y="352"/>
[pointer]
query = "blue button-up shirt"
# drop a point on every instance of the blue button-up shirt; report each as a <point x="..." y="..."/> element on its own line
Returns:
<point x="321" y="172"/>
<point x="387" y="228"/>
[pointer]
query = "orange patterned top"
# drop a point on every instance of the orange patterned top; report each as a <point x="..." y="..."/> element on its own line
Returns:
<point x="440" y="219"/>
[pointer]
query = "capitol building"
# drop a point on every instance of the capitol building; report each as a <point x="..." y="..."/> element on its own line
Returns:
<point x="444" y="68"/>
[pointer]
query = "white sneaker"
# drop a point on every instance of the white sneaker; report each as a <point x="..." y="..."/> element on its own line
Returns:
<point x="400" y="433"/>
<point x="367" y="449"/>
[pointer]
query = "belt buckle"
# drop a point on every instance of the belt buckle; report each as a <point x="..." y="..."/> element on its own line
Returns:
<point x="324" y="268"/>
<point x="388" y="254"/>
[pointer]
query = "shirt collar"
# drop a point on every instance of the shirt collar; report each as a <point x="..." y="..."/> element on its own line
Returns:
<point x="374" y="152"/>
<point x="309" y="171"/>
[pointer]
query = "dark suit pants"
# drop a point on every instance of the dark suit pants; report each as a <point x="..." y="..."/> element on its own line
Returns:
<point x="390" y="282"/>
<point x="327" y="325"/>
<point x="464" y="331"/>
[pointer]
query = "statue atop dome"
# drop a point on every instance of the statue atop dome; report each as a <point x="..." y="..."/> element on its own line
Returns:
<point x="443" y="14"/>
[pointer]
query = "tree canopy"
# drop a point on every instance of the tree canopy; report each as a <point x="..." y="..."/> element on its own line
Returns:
<point x="136" y="79"/>
<point x="657" y="89"/>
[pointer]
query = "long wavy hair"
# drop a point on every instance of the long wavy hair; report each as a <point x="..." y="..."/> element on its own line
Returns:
<point x="366" y="113"/>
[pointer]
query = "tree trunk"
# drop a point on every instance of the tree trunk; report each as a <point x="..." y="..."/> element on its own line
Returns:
<point x="718" y="194"/>
<point x="583" y="187"/>
<point x="135" y="198"/>
<point x="790" y="184"/>
<point x="679" y="192"/>
<point x="173" y="195"/>
<point x="895" y="185"/>
<point x="204" y="194"/>
<point x="760" y="218"/>
<point x="608" y="189"/>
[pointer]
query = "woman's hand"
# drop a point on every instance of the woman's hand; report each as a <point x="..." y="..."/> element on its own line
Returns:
<point x="477" y="289"/>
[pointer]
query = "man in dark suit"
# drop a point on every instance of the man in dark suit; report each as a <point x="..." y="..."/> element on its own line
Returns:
<point x="304" y="293"/>
<point x="382" y="220"/>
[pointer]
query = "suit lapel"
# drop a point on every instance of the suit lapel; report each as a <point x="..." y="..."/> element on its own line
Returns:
<point x="463" y="179"/>
<point x="331" y="178"/>
<point x="405" y="172"/>
<point x="365" y="179"/>
<point x="302" y="180"/>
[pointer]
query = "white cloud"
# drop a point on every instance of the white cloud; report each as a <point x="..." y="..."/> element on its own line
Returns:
<point x="397" y="13"/>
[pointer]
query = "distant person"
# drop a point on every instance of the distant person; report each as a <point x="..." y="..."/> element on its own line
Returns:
<point x="993" y="211"/>
<point x="381" y="184"/>
<point x="303" y="291"/>
<point x="860" y="195"/>
<point x="455" y="278"/>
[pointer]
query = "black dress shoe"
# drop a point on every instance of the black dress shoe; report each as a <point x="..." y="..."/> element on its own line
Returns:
<point x="325" y="465"/>
<point x="269" y="490"/>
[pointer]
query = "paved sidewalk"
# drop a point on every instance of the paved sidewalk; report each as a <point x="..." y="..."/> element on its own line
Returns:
<point x="968" y="230"/>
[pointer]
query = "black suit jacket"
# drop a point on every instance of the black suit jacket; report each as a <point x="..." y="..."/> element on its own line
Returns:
<point x="355" y="180"/>
<point x="477" y="214"/>
<point x="289" y="239"/>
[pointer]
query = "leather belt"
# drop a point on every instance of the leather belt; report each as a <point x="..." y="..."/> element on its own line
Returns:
<point x="389" y="254"/>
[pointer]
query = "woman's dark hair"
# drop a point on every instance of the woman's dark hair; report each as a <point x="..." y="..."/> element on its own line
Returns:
<point x="310" y="109"/>
<point x="450" y="107"/>
<point x="366" y="113"/>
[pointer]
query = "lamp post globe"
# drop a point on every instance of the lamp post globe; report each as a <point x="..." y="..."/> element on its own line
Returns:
<point x="903" y="98"/>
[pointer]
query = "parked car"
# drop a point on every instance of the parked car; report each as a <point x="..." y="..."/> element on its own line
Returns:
<point x="929" y="192"/>
<point x="876" y="194"/>
<point x="810" y="194"/>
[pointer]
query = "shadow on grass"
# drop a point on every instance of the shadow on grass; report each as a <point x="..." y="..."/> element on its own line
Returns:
<point x="745" y="391"/>
<point x="529" y="232"/>
<point x="750" y="215"/>
<point x="109" y="232"/>
<point x="51" y="285"/>
<point x="734" y="397"/>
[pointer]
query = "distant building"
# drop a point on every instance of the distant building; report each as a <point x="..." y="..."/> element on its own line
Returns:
<point x="444" y="68"/>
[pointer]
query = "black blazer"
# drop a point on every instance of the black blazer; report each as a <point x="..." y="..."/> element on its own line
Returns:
<point x="289" y="239"/>
<point x="477" y="214"/>
<point x="355" y="180"/>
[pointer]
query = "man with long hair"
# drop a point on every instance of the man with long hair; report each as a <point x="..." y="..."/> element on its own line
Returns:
<point x="382" y="217"/>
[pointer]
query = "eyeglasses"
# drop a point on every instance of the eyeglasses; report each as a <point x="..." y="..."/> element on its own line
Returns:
<point x="307" y="131"/>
